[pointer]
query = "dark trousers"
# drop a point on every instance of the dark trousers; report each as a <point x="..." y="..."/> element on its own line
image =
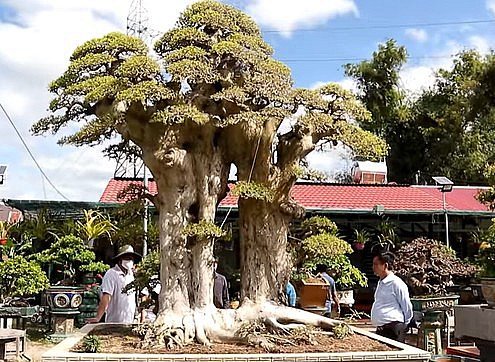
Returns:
<point x="393" y="330"/>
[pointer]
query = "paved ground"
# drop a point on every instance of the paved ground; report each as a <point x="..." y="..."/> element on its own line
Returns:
<point x="34" y="350"/>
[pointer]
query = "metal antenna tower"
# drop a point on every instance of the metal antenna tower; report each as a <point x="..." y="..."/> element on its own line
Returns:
<point x="129" y="165"/>
<point x="137" y="20"/>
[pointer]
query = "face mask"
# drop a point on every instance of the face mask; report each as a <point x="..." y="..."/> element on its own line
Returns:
<point x="127" y="264"/>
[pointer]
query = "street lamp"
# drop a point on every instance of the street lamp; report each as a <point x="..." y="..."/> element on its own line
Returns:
<point x="445" y="186"/>
<point x="3" y="169"/>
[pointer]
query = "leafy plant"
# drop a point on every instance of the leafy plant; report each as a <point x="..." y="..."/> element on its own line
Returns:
<point x="70" y="253"/>
<point x="361" y="236"/>
<point x="388" y="239"/>
<point x="322" y="246"/>
<point x="319" y="224"/>
<point x="95" y="267"/>
<point x="486" y="253"/>
<point x="91" y="344"/>
<point x="95" y="225"/>
<point x="4" y="229"/>
<point x="342" y="330"/>
<point x="147" y="272"/>
<point x="20" y="277"/>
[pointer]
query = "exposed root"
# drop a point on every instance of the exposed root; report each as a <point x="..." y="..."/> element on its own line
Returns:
<point x="260" y="334"/>
<point x="265" y="325"/>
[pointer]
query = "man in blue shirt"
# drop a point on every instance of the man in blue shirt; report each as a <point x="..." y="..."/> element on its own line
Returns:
<point x="392" y="310"/>
<point x="290" y="292"/>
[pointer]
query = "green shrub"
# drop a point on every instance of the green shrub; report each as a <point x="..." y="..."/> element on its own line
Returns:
<point x="91" y="344"/>
<point x="20" y="277"/>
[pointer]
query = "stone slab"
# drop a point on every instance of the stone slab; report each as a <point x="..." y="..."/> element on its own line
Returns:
<point x="60" y="353"/>
<point x="474" y="321"/>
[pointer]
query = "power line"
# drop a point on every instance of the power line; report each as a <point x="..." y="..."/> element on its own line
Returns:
<point x="31" y="154"/>
<point x="391" y="26"/>
<point x="356" y="59"/>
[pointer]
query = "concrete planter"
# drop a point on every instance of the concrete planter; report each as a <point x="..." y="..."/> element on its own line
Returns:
<point x="477" y="322"/>
<point x="61" y="353"/>
<point x="488" y="289"/>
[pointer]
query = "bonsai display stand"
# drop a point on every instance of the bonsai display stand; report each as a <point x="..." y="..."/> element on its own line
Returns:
<point x="429" y="334"/>
<point x="62" y="324"/>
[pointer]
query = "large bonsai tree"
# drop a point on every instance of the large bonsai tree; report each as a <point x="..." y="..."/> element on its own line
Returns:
<point x="212" y="96"/>
<point x="428" y="267"/>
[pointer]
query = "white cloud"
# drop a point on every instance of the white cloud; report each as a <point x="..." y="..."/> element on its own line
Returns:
<point x="490" y="5"/>
<point x="287" y="15"/>
<point x="419" y="35"/>
<point x="416" y="78"/>
<point x="36" y="45"/>
<point x="346" y="83"/>
<point x="480" y="43"/>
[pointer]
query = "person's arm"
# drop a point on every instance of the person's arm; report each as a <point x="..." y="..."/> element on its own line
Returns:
<point x="102" y="307"/>
<point x="335" y="297"/>
<point x="291" y="295"/>
<point x="402" y="295"/>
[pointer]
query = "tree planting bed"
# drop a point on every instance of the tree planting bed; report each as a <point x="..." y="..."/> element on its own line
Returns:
<point x="118" y="344"/>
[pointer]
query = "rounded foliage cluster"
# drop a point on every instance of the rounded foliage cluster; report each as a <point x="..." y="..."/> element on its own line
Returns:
<point x="20" y="277"/>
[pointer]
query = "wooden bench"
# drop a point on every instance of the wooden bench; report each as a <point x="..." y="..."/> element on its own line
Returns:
<point x="8" y="335"/>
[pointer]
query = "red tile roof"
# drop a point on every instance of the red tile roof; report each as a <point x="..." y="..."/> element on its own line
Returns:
<point x="354" y="198"/>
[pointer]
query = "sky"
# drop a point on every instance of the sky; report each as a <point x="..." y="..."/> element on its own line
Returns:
<point x="313" y="37"/>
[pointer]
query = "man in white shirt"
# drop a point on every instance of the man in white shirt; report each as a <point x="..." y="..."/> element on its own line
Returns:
<point x="392" y="309"/>
<point x="120" y="307"/>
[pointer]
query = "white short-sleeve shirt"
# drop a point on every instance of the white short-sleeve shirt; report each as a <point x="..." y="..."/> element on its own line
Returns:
<point x="122" y="306"/>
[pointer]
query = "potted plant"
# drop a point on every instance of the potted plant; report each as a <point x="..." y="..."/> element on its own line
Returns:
<point x="429" y="268"/>
<point x="486" y="262"/>
<point x="70" y="256"/>
<point x="361" y="237"/>
<point x="4" y="231"/>
<point x="19" y="278"/>
<point x="322" y="246"/>
<point x="95" y="225"/>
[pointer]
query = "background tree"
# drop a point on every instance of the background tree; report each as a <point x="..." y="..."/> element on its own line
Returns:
<point x="456" y="117"/>
<point x="216" y="96"/>
<point x="379" y="88"/>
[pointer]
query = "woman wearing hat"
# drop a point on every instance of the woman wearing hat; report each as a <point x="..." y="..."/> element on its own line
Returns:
<point x="119" y="306"/>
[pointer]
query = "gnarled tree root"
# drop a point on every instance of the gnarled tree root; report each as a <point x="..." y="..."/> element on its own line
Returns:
<point x="264" y="325"/>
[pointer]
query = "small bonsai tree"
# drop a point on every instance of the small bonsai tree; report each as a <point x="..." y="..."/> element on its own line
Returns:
<point x="20" y="277"/>
<point x="428" y="267"/>
<point x="70" y="254"/>
<point x="323" y="246"/>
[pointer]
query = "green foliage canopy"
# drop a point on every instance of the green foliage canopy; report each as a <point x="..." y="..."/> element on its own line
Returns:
<point x="20" y="277"/>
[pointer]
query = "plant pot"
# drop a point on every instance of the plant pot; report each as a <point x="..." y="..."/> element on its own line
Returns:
<point x="423" y="304"/>
<point x="346" y="297"/>
<point x="3" y="241"/>
<point x="312" y="293"/>
<point x="358" y="246"/>
<point x="488" y="289"/>
<point x="63" y="299"/>
<point x="88" y="278"/>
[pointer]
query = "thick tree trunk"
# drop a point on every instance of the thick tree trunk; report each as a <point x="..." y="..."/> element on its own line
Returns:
<point x="265" y="264"/>
<point x="189" y="189"/>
